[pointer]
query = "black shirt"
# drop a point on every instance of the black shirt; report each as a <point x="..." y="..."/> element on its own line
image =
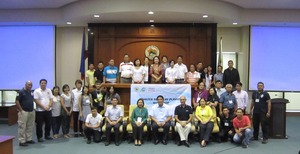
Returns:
<point x="98" y="98"/>
<point x="260" y="100"/>
<point x="25" y="98"/>
<point x="99" y="75"/>
<point x="183" y="113"/>
<point x="231" y="77"/>
<point x="226" y="122"/>
<point x="213" y="98"/>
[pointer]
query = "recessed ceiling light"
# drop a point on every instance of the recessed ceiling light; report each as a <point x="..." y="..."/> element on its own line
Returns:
<point x="69" y="23"/>
<point x="235" y="23"/>
<point x="150" y="12"/>
<point x="151" y="25"/>
<point x="96" y="15"/>
<point x="151" y="20"/>
<point x="205" y="16"/>
<point x="92" y="33"/>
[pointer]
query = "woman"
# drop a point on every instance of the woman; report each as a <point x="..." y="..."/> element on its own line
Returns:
<point x="156" y="72"/>
<point x="164" y="65"/>
<point x="193" y="76"/>
<point x="171" y="73"/>
<point x="208" y="77"/>
<point x="111" y="93"/>
<point x="198" y="94"/>
<point x="66" y="104"/>
<point x="138" y="72"/>
<point x="204" y="115"/>
<point x="213" y="100"/>
<point x="139" y="119"/>
<point x="147" y="78"/>
<point x="84" y="104"/>
<point x="56" y="109"/>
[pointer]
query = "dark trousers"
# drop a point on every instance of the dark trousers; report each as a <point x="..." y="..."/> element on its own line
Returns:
<point x="41" y="118"/>
<point x="155" y="127"/>
<point x="138" y="131"/>
<point x="65" y="123"/>
<point x="76" y="122"/>
<point x="224" y="134"/>
<point x="260" y="118"/>
<point x="55" y="123"/>
<point x="89" y="132"/>
<point x="116" y="131"/>
<point x="205" y="131"/>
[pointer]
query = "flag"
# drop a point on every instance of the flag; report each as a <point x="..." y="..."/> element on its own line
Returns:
<point x="84" y="55"/>
<point x="220" y="52"/>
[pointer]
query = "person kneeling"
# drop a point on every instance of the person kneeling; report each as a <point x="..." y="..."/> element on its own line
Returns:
<point x="92" y="126"/>
<point x="242" y="127"/>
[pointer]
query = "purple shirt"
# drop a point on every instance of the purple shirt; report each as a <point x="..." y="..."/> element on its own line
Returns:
<point x="200" y="94"/>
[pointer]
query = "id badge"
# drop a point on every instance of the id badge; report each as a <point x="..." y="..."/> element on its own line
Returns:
<point x="256" y="100"/>
<point x="87" y="101"/>
<point x="261" y="96"/>
<point x="226" y="124"/>
<point x="230" y="101"/>
<point x="139" y="119"/>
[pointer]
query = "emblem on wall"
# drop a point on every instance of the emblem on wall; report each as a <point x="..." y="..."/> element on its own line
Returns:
<point x="151" y="51"/>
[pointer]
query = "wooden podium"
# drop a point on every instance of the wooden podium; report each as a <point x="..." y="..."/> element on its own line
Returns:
<point x="277" y="126"/>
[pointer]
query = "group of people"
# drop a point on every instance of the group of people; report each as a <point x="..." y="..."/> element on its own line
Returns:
<point x="160" y="71"/>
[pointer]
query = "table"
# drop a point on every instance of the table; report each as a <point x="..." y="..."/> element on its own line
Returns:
<point x="6" y="144"/>
<point x="8" y="113"/>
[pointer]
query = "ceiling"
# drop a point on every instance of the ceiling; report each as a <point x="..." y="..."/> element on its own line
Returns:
<point x="80" y="12"/>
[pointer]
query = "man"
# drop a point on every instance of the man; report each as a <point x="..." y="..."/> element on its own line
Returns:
<point x="242" y="127"/>
<point x="261" y="108"/>
<point x="231" y="75"/>
<point x="200" y="70"/>
<point x="113" y="116"/>
<point x="181" y="70"/>
<point x="76" y="93"/>
<point x="183" y="118"/>
<point x="110" y="73"/>
<point x="26" y="115"/>
<point x="98" y="96"/>
<point x="241" y="96"/>
<point x="89" y="75"/>
<point x="226" y="126"/>
<point x="160" y="118"/>
<point x="43" y="98"/>
<point x="92" y="126"/>
<point x="228" y="100"/>
<point x="219" y="74"/>
<point x="219" y="89"/>
<point x="98" y="75"/>
<point x="125" y="70"/>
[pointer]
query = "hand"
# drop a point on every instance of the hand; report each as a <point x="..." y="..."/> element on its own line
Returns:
<point x="69" y="113"/>
<point x="163" y="123"/>
<point x="221" y="113"/>
<point x="239" y="133"/>
<point x="183" y="124"/>
<point x="203" y="122"/>
<point x="80" y="114"/>
<point x="268" y="115"/>
<point x="230" y="132"/>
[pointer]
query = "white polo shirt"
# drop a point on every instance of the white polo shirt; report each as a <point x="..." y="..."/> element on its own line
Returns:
<point x="93" y="121"/>
<point x="125" y="69"/>
<point x="43" y="96"/>
<point x="241" y="98"/>
<point x="181" y="69"/>
<point x="160" y="113"/>
<point x="171" y="74"/>
<point x="75" y="97"/>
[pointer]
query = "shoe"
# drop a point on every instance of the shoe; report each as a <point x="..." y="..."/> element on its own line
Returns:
<point x="55" y="136"/>
<point x="254" y="139"/>
<point x="164" y="142"/>
<point x="265" y="141"/>
<point x="40" y="140"/>
<point x="203" y="144"/>
<point x="107" y="143"/>
<point x="23" y="144"/>
<point x="117" y="143"/>
<point x="186" y="144"/>
<point x="48" y="138"/>
<point x="244" y="146"/>
<point x="66" y="136"/>
<point x="179" y="143"/>
<point x="81" y="134"/>
<point x="76" y="135"/>
<point x="156" y="142"/>
<point x="88" y="142"/>
<point x="69" y="135"/>
<point x="30" y="142"/>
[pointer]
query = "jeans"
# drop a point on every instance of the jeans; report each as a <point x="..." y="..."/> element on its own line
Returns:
<point x="55" y="123"/>
<point x="245" y="138"/>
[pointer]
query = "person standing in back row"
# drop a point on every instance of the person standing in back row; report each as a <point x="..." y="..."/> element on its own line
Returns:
<point x="181" y="70"/>
<point x="125" y="70"/>
<point x="231" y="75"/>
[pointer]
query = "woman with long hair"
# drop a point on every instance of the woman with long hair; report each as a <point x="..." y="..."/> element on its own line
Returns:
<point x="66" y="110"/>
<point x="156" y="71"/>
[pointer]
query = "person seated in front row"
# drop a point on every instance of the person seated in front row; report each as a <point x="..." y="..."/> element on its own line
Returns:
<point x="242" y="127"/>
<point x="160" y="118"/>
<point x="139" y="119"/>
<point x="92" y="126"/>
<point x="204" y="114"/>
<point x="183" y="117"/>
<point x="226" y="126"/>
<point x="113" y="116"/>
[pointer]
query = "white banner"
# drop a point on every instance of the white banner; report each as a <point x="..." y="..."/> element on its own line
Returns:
<point x="170" y="92"/>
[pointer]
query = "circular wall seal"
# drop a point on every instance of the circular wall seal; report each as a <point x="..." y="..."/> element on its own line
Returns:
<point x="151" y="51"/>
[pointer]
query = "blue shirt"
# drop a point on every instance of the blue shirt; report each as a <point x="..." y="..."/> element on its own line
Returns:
<point x="160" y="113"/>
<point x="111" y="73"/>
<point x="25" y="99"/>
<point x="228" y="100"/>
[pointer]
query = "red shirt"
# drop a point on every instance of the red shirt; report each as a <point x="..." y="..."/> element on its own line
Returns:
<point x="245" y="121"/>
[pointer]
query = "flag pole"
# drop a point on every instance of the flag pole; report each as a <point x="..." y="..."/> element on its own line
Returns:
<point x="220" y="52"/>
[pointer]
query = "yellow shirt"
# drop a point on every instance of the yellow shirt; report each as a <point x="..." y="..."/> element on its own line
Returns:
<point x="90" y="74"/>
<point x="204" y="113"/>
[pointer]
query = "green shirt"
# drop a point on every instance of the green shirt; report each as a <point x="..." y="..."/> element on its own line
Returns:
<point x="137" y="112"/>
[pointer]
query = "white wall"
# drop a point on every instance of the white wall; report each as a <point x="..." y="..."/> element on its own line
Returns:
<point x="68" y="55"/>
